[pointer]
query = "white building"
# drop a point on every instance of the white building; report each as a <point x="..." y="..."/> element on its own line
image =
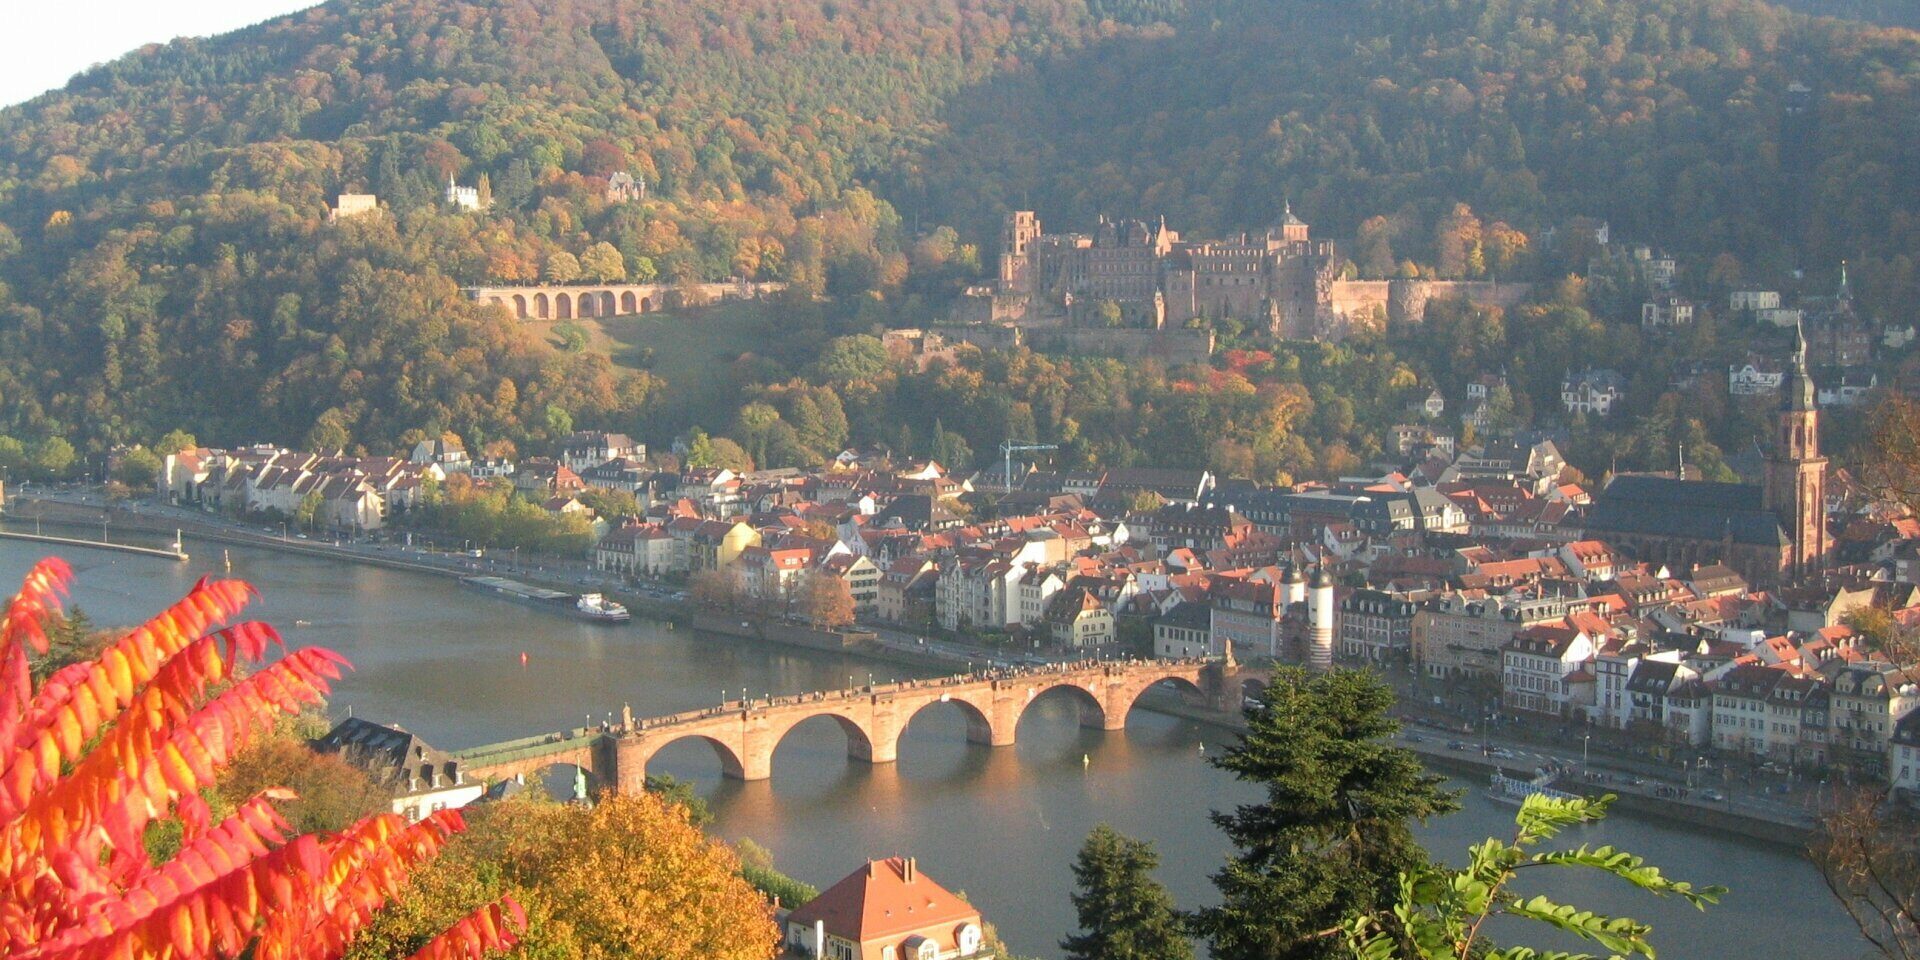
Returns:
<point x="1742" y="300"/>
<point x="1544" y="670"/>
<point x="1592" y="391"/>
<point x="1667" y="311"/>
<point x="420" y="779"/>
<point x="1755" y="379"/>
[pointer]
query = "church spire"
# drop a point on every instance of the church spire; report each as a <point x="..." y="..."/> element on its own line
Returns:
<point x="1846" y="289"/>
<point x="1800" y="393"/>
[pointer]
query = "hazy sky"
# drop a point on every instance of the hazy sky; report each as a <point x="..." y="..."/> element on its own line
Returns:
<point x="45" y="43"/>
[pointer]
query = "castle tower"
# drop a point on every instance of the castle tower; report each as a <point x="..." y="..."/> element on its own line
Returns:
<point x="1020" y="229"/>
<point x="1796" y="483"/>
<point x="1320" y="621"/>
<point x="1292" y="228"/>
<point x="1294" y="586"/>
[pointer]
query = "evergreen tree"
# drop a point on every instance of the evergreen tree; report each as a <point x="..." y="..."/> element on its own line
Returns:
<point x="1335" y="830"/>
<point x="1124" y="913"/>
<point x="516" y="188"/>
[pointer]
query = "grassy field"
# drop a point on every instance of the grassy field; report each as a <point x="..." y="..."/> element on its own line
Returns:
<point x="690" y="349"/>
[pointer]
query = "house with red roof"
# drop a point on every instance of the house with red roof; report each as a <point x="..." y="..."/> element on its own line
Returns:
<point x="886" y="910"/>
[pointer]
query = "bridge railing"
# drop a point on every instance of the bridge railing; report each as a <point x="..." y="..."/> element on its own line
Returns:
<point x="491" y="754"/>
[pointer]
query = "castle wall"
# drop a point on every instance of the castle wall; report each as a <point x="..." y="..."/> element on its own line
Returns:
<point x="1170" y="346"/>
<point x="1405" y="301"/>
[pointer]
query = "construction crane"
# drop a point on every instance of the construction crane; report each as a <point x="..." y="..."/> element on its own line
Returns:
<point x="1008" y="449"/>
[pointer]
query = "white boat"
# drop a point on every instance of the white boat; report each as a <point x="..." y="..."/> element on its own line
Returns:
<point x="1513" y="790"/>
<point x="593" y="606"/>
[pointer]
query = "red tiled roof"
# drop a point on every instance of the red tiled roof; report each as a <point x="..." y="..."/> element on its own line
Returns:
<point x="882" y="899"/>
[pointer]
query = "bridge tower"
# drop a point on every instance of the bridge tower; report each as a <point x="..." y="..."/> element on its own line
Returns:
<point x="1320" y="620"/>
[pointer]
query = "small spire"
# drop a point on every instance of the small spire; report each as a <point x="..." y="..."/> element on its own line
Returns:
<point x="1846" y="289"/>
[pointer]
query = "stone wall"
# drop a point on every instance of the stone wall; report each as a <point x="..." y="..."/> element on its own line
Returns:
<point x="1405" y="301"/>
<point x="1170" y="346"/>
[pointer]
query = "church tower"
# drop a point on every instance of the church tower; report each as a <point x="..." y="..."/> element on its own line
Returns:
<point x="1796" y="484"/>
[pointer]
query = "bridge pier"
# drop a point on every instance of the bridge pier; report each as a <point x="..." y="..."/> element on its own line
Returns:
<point x="884" y="750"/>
<point x="757" y="765"/>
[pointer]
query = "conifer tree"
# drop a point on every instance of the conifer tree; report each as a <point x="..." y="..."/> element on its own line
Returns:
<point x="1124" y="913"/>
<point x="1335" y="830"/>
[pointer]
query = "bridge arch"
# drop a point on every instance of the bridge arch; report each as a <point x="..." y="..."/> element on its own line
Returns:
<point x="563" y="306"/>
<point x="541" y="306"/>
<point x="629" y="303"/>
<point x="860" y="744"/>
<point x="731" y="763"/>
<point x="589" y="303"/>
<point x="519" y="306"/>
<point x="646" y="304"/>
<point x="1189" y="691"/>
<point x="1093" y="713"/>
<point x="979" y="719"/>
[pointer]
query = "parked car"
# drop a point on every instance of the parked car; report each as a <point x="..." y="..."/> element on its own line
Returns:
<point x="1712" y="794"/>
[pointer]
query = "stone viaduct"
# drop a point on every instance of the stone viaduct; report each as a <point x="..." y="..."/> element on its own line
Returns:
<point x="570" y="301"/>
<point x="745" y="735"/>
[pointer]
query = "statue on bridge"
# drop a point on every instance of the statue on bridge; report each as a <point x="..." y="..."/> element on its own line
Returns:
<point x="579" y="786"/>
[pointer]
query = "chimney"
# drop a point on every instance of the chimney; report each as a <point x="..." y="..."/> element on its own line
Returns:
<point x="908" y="872"/>
<point x="820" y="936"/>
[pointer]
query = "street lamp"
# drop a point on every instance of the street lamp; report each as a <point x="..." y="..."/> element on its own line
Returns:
<point x="1583" y="749"/>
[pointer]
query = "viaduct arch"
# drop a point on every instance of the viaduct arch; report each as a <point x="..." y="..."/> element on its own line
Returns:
<point x="571" y="301"/>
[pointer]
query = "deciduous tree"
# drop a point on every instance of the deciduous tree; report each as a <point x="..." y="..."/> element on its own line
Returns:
<point x="825" y="600"/>
<point x="629" y="876"/>
<point x="1439" y="914"/>
<point x="103" y="749"/>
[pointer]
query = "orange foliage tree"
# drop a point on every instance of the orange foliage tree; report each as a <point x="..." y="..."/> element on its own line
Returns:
<point x="102" y="749"/>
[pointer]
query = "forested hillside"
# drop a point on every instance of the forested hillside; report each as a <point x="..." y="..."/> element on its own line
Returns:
<point x="167" y="259"/>
<point x="1667" y="117"/>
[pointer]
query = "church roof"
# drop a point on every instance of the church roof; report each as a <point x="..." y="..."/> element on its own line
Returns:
<point x="1685" y="509"/>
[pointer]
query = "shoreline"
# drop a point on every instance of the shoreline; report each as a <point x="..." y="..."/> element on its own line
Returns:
<point x="1668" y="811"/>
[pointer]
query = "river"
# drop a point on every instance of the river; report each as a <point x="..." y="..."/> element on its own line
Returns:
<point x="1001" y="825"/>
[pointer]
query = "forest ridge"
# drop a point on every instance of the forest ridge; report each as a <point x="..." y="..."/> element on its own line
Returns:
<point x="167" y="262"/>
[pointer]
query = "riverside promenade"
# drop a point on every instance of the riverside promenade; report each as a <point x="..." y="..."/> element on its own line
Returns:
<point x="176" y="553"/>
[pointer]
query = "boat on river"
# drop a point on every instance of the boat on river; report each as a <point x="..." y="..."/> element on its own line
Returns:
<point x="598" y="609"/>
<point x="1514" y="791"/>
<point x="515" y="590"/>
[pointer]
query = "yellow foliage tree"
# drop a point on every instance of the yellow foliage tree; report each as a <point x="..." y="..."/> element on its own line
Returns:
<point x="629" y="877"/>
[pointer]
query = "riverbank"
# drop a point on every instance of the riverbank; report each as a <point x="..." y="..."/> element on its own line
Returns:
<point x="870" y="647"/>
<point x="1632" y="800"/>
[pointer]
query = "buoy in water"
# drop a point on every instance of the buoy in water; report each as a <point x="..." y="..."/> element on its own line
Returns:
<point x="523" y="658"/>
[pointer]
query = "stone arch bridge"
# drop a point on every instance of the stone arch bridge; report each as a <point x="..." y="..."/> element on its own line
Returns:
<point x="574" y="301"/>
<point x="745" y="735"/>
